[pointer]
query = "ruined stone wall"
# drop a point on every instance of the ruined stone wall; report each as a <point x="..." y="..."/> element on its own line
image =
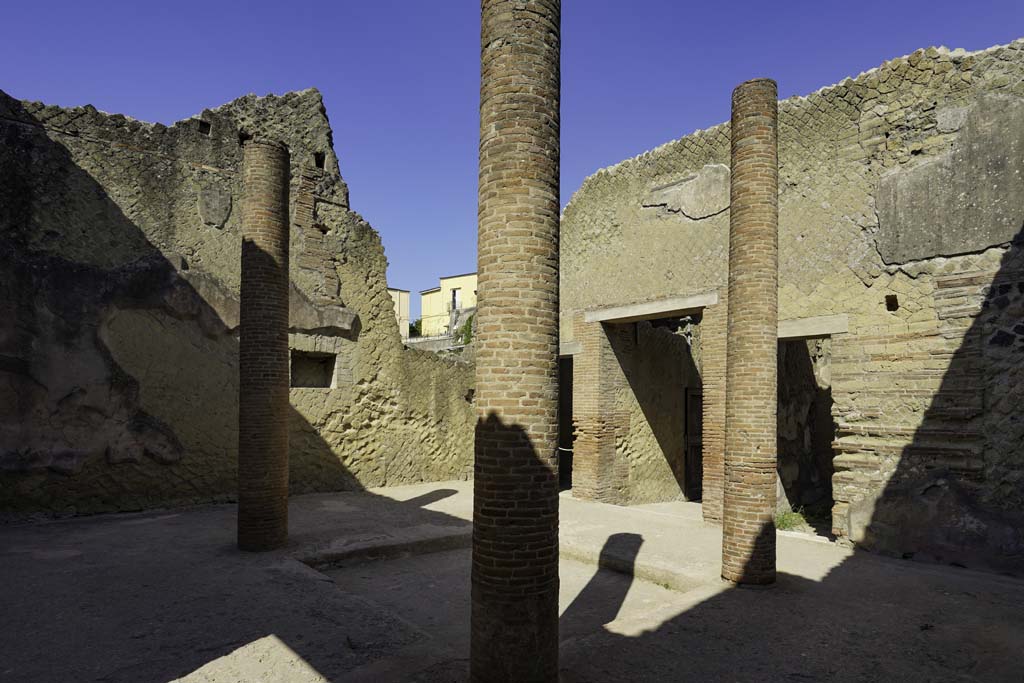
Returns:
<point x="404" y="415"/>
<point x="908" y="182"/>
<point x="119" y="275"/>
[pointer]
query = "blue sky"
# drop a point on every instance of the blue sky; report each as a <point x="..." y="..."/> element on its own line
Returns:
<point x="400" y="79"/>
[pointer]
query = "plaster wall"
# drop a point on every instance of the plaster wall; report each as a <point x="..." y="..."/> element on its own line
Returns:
<point x="433" y="316"/>
<point x="466" y="284"/>
<point x="401" y="299"/>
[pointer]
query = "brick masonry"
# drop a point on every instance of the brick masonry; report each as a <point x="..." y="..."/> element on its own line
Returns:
<point x="925" y="394"/>
<point x="600" y="469"/>
<point x="515" y="510"/>
<point x="714" y="325"/>
<point x="748" y="528"/>
<point x="263" y="349"/>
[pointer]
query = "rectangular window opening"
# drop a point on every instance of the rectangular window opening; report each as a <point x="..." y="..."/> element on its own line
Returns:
<point x="320" y="160"/>
<point x="204" y="127"/>
<point x="312" y="370"/>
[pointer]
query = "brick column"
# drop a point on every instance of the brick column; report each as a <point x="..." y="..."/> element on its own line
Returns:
<point x="748" y="542"/>
<point x="515" y="508"/>
<point x="598" y="473"/>
<point x="263" y="349"/>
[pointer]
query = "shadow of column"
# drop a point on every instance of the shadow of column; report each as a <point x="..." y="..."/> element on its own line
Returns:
<point x="515" y="552"/>
<point x="600" y="600"/>
<point x="956" y="493"/>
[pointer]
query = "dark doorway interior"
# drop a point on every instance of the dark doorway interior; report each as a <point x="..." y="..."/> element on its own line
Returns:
<point x="694" y="478"/>
<point x="565" y="427"/>
<point x="806" y="429"/>
<point x="311" y="369"/>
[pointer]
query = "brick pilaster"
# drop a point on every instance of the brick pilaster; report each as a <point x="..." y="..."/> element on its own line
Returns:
<point x="515" y="509"/>
<point x="748" y="542"/>
<point x="599" y="473"/>
<point x="713" y="337"/>
<point x="263" y="349"/>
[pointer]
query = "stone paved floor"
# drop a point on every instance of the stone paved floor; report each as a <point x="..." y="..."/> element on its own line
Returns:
<point x="164" y="596"/>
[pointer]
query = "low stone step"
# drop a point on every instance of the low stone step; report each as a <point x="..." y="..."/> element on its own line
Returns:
<point x="415" y="540"/>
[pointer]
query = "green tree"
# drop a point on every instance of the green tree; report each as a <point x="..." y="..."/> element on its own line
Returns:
<point x="466" y="333"/>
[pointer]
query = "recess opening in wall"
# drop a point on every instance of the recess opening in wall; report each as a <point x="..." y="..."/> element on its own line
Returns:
<point x="892" y="302"/>
<point x="204" y="127"/>
<point x="311" y="369"/>
<point x="320" y="159"/>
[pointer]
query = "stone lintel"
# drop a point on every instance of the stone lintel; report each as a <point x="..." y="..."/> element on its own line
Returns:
<point x="305" y="316"/>
<point x="570" y="348"/>
<point x="652" y="310"/>
<point x="817" y="326"/>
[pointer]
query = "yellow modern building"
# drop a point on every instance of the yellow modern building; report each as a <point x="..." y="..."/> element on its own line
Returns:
<point x="454" y="293"/>
<point x="401" y="299"/>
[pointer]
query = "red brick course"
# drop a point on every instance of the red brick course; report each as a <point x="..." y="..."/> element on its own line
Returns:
<point x="748" y="543"/>
<point x="515" y="517"/>
<point x="263" y="349"/>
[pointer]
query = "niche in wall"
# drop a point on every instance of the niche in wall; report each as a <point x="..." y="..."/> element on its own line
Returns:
<point x="312" y="369"/>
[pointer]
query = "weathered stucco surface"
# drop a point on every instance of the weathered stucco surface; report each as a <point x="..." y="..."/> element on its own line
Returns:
<point x="900" y="207"/>
<point x="119" y="267"/>
<point x="659" y="367"/>
<point x="969" y="198"/>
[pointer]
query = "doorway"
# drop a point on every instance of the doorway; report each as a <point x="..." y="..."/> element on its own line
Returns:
<point x="806" y="429"/>
<point x="694" y="477"/>
<point x="566" y="433"/>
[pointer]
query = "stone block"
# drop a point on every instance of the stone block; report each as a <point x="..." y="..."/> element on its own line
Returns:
<point x="966" y="200"/>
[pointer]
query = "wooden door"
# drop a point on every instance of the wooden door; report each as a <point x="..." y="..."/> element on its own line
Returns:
<point x="694" y="444"/>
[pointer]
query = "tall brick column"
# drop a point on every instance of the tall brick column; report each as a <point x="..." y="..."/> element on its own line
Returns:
<point x="748" y="540"/>
<point x="263" y="349"/>
<point x="515" y="507"/>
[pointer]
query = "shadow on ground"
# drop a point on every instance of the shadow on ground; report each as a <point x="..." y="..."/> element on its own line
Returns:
<point x="154" y="596"/>
<point x="948" y="501"/>
<point x="160" y="595"/>
<point x="869" y="618"/>
<point x="163" y="595"/>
